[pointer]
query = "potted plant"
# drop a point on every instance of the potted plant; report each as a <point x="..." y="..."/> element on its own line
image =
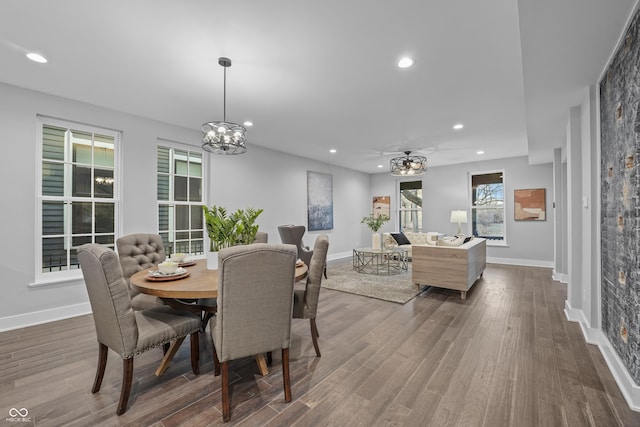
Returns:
<point x="375" y="223"/>
<point x="226" y="230"/>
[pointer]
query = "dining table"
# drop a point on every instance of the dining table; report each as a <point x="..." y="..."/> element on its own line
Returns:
<point x="197" y="282"/>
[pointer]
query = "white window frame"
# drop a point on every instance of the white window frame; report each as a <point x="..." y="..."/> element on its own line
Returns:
<point x="399" y="202"/>
<point x="490" y="242"/>
<point x="53" y="277"/>
<point x="173" y="145"/>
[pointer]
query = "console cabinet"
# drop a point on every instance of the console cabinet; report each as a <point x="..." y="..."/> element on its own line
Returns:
<point x="448" y="267"/>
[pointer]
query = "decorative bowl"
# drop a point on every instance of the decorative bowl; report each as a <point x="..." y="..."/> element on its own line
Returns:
<point x="179" y="257"/>
<point x="168" y="267"/>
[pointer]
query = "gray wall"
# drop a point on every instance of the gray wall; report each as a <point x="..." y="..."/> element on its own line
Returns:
<point x="261" y="178"/>
<point x="446" y="188"/>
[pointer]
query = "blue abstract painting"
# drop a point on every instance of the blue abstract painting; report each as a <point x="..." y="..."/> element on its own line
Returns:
<point x="319" y="201"/>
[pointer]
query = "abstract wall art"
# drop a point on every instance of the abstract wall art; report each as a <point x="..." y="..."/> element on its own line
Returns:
<point x="530" y="205"/>
<point x="319" y="201"/>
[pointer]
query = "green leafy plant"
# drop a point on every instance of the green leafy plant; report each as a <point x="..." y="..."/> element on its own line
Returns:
<point x="226" y="230"/>
<point x="375" y="223"/>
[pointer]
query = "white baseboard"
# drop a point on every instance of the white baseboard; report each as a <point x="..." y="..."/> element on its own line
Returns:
<point x="630" y="390"/>
<point x="340" y="255"/>
<point x="560" y="277"/>
<point x="43" y="316"/>
<point x="523" y="262"/>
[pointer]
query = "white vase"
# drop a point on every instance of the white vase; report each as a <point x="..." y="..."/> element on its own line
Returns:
<point x="376" y="241"/>
<point x="212" y="260"/>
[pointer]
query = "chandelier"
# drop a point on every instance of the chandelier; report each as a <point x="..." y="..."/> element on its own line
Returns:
<point x="224" y="137"/>
<point x="408" y="165"/>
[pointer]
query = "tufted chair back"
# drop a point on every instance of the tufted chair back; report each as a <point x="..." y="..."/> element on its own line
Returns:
<point x="137" y="252"/>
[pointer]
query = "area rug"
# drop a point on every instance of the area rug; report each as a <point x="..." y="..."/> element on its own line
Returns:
<point x="396" y="288"/>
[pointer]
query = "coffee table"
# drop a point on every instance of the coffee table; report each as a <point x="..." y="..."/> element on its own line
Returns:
<point x="381" y="262"/>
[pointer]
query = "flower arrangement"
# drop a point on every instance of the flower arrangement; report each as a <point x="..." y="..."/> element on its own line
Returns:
<point x="375" y="223"/>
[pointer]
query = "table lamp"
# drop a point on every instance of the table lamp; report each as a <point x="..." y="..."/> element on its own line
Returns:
<point x="460" y="217"/>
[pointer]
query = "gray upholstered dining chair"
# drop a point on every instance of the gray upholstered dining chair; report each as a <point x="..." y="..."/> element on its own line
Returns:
<point x="208" y="306"/>
<point x="292" y="235"/>
<point x="261" y="237"/>
<point x="137" y="252"/>
<point x="305" y="301"/>
<point x="255" y="298"/>
<point x="120" y="328"/>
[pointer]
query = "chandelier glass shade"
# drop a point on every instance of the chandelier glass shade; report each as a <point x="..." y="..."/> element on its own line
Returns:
<point x="408" y="165"/>
<point x="223" y="137"/>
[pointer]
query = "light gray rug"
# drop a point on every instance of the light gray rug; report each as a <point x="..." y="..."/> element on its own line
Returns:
<point x="395" y="288"/>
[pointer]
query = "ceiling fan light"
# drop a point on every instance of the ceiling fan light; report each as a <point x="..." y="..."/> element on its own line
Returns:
<point x="408" y="165"/>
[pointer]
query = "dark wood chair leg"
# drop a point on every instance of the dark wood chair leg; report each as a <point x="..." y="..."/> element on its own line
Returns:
<point x="216" y="362"/>
<point x="195" y="352"/>
<point x="285" y="375"/>
<point x="127" y="377"/>
<point x="226" y="405"/>
<point x="269" y="358"/>
<point x="314" y="336"/>
<point x="103" y="353"/>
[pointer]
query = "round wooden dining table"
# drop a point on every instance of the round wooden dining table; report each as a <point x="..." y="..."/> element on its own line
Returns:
<point x="199" y="283"/>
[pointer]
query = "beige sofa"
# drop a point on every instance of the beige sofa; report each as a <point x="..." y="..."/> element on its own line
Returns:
<point x="456" y="268"/>
<point x="429" y="238"/>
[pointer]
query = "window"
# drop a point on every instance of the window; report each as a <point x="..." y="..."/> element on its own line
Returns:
<point x="410" y="210"/>
<point x="487" y="205"/>
<point x="78" y="196"/>
<point x="180" y="216"/>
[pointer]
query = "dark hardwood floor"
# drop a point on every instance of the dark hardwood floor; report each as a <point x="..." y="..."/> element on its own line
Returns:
<point x="506" y="356"/>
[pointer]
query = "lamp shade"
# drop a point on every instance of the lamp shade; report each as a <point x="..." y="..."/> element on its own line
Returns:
<point x="459" y="217"/>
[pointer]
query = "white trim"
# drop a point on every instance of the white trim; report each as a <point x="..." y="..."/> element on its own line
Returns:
<point x="523" y="262"/>
<point x="560" y="277"/>
<point x="44" y="316"/>
<point x="502" y="242"/>
<point x="340" y="255"/>
<point x="75" y="279"/>
<point x="630" y="390"/>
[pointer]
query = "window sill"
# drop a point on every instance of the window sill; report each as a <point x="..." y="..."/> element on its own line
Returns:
<point x="55" y="281"/>
<point x="500" y="244"/>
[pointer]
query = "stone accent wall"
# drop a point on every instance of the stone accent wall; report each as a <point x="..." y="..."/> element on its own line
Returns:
<point x="620" y="216"/>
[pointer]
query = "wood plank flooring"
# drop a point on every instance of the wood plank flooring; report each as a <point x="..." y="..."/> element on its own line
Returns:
<point x="506" y="356"/>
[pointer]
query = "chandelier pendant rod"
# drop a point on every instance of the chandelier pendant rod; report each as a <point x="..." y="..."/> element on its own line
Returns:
<point x="224" y="96"/>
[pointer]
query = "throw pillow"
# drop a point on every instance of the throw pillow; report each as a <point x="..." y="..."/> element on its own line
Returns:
<point x="400" y="238"/>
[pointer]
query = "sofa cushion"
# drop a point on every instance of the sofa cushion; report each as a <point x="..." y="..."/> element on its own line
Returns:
<point x="400" y="238"/>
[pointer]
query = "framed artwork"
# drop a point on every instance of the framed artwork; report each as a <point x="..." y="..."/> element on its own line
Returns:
<point x="319" y="201"/>
<point x="529" y="205"/>
<point x="381" y="206"/>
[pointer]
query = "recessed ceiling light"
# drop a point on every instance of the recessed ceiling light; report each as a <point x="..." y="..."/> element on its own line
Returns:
<point x="380" y="166"/>
<point x="458" y="126"/>
<point x="479" y="152"/>
<point x="248" y="123"/>
<point x="36" y="57"/>
<point x="405" y="62"/>
<point x="333" y="151"/>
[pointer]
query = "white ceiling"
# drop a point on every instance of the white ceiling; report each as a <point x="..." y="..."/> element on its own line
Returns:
<point x="319" y="75"/>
